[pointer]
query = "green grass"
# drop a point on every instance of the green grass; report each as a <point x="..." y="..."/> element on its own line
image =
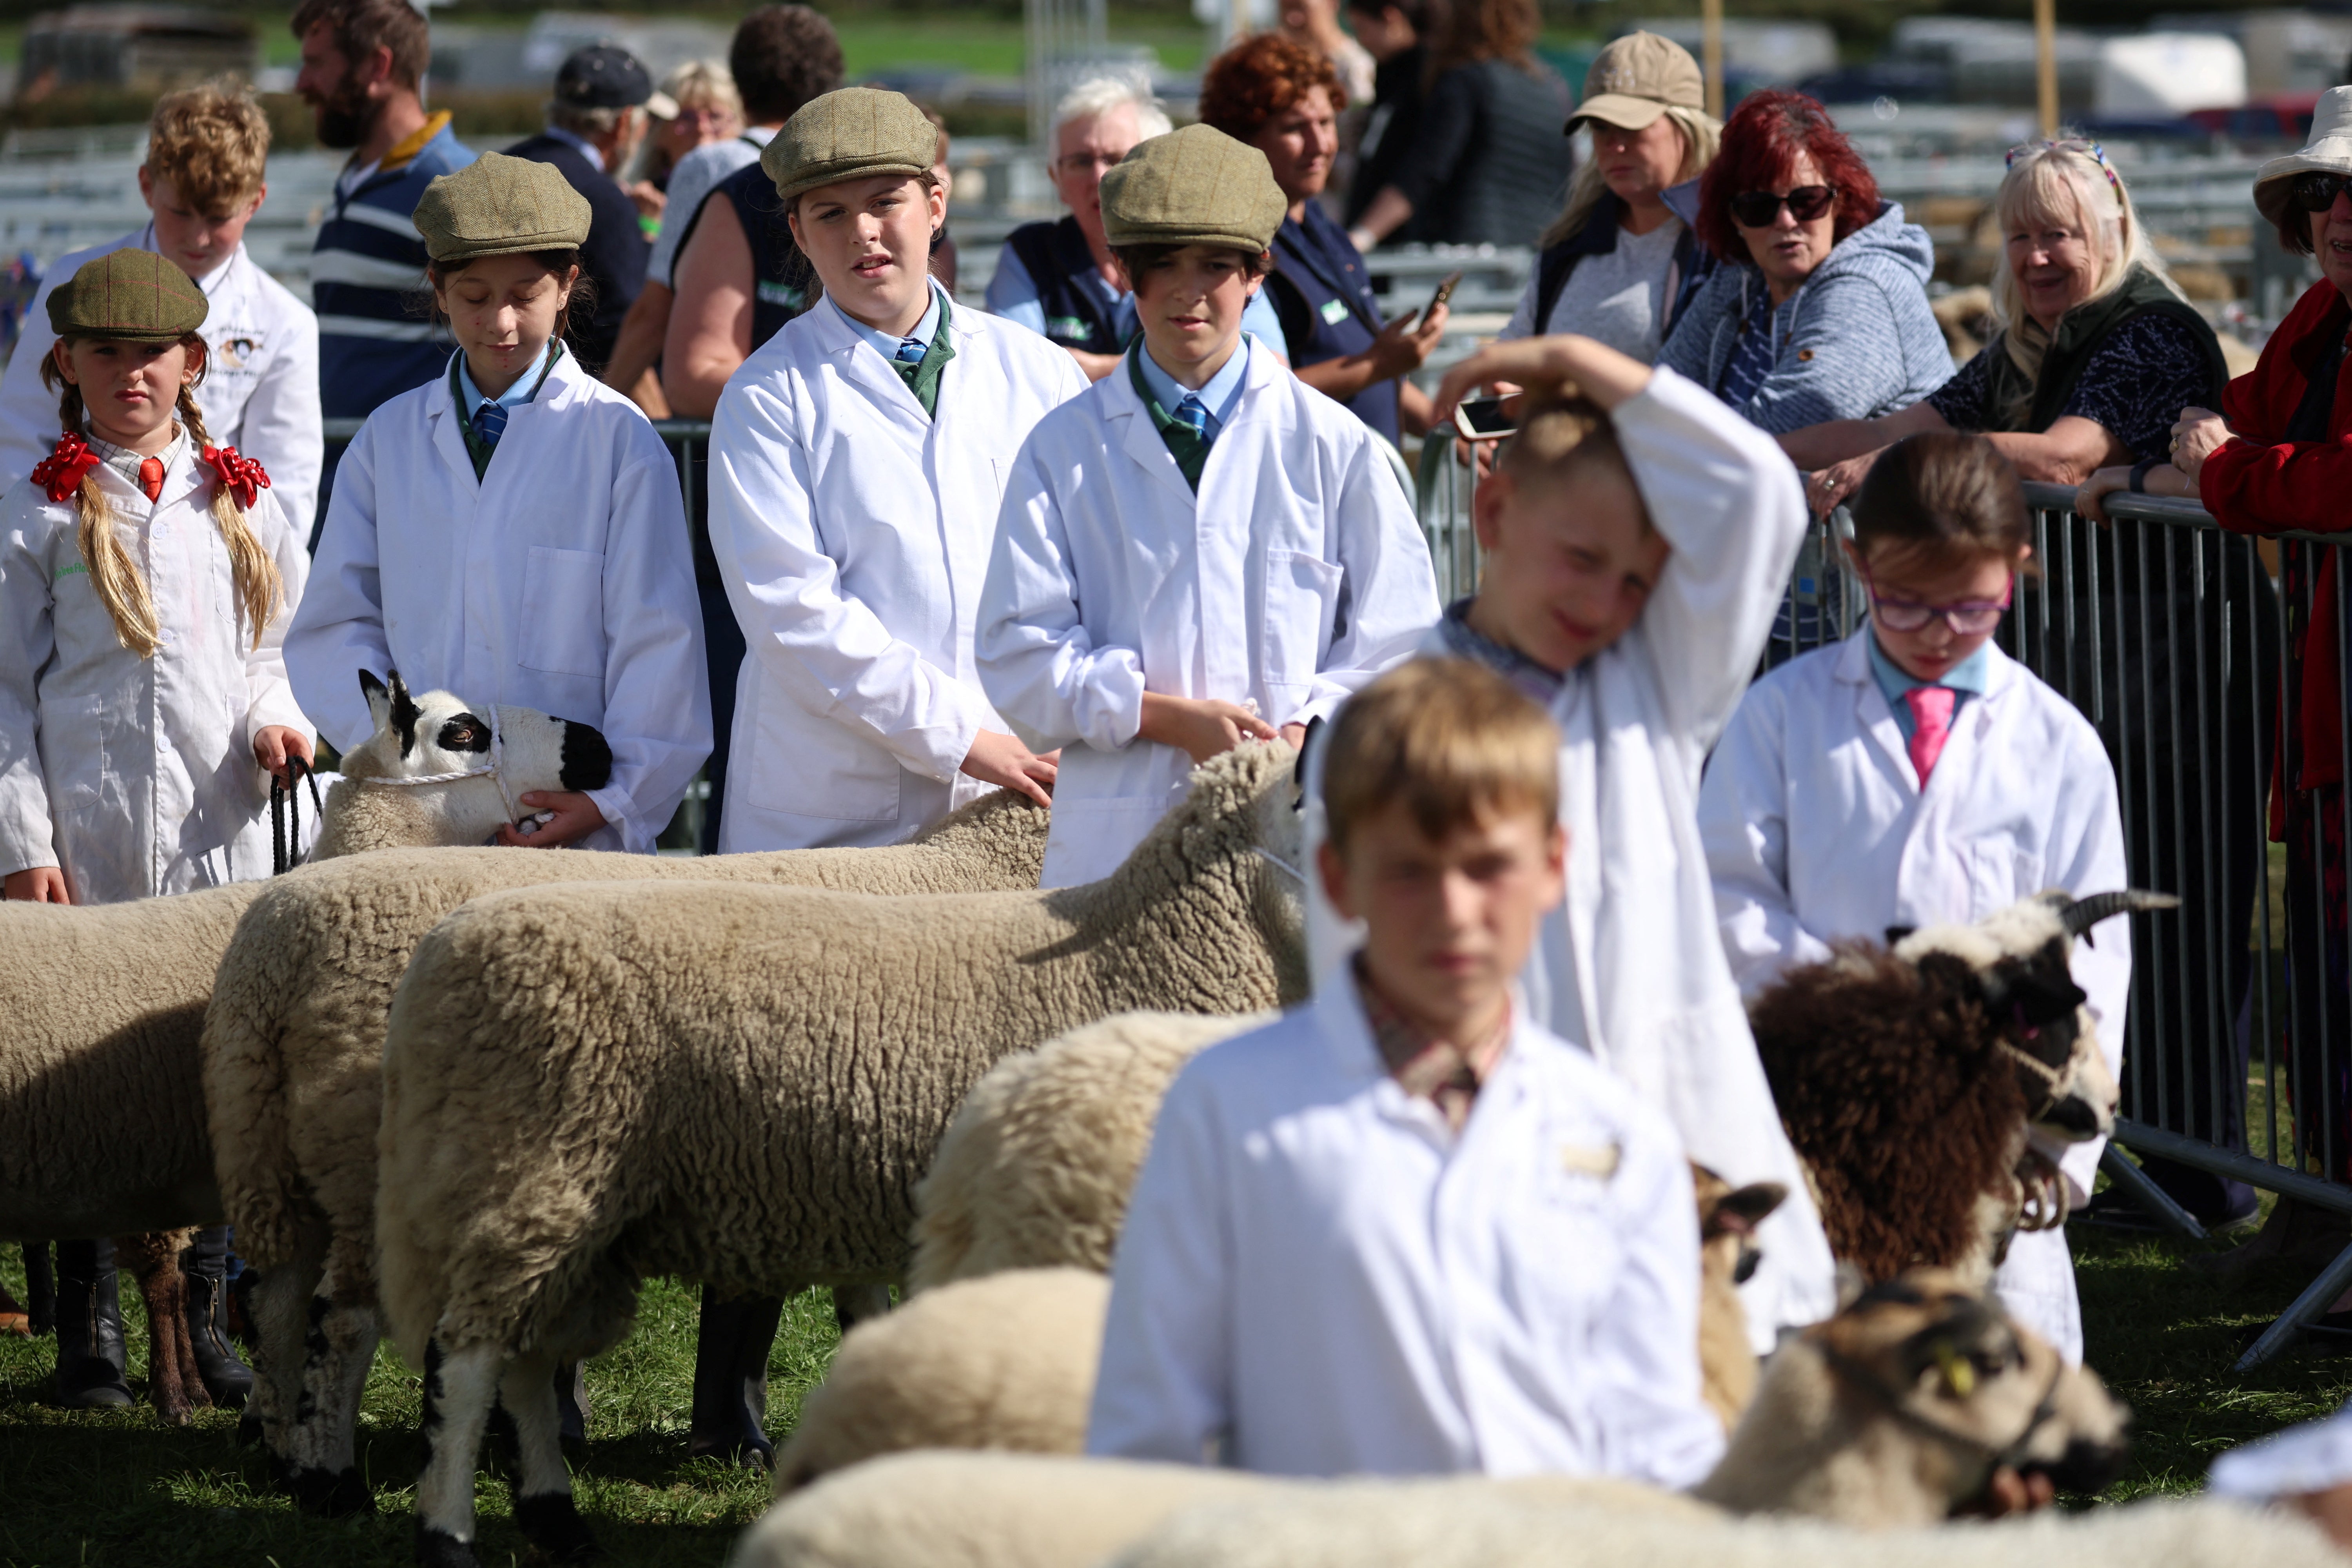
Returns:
<point x="119" y="1488"/>
<point x="89" y="1488"/>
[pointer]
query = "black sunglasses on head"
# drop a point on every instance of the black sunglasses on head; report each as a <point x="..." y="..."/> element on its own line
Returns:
<point x="1757" y="209"/>
<point x="2316" y="191"/>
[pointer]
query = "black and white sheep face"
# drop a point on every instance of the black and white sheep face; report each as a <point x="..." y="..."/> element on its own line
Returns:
<point x="439" y="736"/>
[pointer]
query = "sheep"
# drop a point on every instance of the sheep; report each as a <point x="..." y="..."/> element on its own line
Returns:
<point x="587" y="1085"/>
<point x="1036" y="1169"/>
<point x="102" y="1128"/>
<point x="1890" y="1415"/>
<point x="1908" y="1079"/>
<point x="1006" y="1360"/>
<point x="292" y="1048"/>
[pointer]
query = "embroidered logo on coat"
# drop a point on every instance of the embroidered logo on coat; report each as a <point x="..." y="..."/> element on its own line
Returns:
<point x="1335" y="311"/>
<point x="1598" y="1160"/>
<point x="68" y="571"/>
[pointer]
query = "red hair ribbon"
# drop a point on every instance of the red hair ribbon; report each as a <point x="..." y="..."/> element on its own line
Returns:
<point x="59" y="474"/>
<point x="240" y="473"/>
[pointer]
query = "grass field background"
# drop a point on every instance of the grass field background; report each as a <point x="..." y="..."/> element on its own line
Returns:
<point x="78" y="1490"/>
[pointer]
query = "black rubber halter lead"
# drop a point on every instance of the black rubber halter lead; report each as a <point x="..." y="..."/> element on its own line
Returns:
<point x="286" y="814"/>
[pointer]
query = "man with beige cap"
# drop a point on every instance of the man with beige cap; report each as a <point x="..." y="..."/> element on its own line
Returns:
<point x="857" y="459"/>
<point x="1618" y="264"/>
<point x="1200" y="549"/>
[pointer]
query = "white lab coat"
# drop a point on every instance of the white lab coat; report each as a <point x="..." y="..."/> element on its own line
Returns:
<point x="260" y="392"/>
<point x="853" y="532"/>
<point x="1318" y="1276"/>
<point x="1816" y="830"/>
<point x="561" y="581"/>
<point x="136" y="775"/>
<point x="1297" y="575"/>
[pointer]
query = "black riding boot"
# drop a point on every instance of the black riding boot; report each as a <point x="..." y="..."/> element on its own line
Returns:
<point x="731" y="1378"/>
<point x="205" y="1264"/>
<point x="89" y="1328"/>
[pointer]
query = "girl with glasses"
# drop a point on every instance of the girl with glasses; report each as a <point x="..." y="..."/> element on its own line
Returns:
<point x="1916" y="774"/>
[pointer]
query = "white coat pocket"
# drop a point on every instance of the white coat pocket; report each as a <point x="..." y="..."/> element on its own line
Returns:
<point x="1302" y="600"/>
<point x="825" y="770"/>
<point x="73" y="751"/>
<point x="2000" y="873"/>
<point x="564" y="613"/>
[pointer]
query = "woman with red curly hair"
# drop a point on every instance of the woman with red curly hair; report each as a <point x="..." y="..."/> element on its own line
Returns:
<point x="1820" y="310"/>
<point x="1283" y="99"/>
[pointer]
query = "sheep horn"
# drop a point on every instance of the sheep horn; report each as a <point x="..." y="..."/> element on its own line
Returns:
<point x="2080" y="915"/>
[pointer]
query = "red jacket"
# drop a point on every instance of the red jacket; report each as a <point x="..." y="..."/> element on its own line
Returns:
<point x="2253" y="485"/>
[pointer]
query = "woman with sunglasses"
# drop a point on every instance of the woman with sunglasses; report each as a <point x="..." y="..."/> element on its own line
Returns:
<point x="1915" y="774"/>
<point x="1819" y="309"/>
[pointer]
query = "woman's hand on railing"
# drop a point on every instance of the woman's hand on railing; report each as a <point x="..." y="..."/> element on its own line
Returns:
<point x="2195" y="435"/>
<point x="2104" y="481"/>
<point x="1825" y="487"/>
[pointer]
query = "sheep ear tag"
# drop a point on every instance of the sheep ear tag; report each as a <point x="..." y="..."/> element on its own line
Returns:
<point x="1959" y="1375"/>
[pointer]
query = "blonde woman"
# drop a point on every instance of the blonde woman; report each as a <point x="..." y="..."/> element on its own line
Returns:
<point x="1618" y="264"/>
<point x="2097" y="352"/>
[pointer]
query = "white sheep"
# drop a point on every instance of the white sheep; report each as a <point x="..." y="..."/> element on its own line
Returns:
<point x="292" y="1051"/>
<point x="102" y="1127"/>
<point x="1890" y="1415"/>
<point x="587" y="1085"/>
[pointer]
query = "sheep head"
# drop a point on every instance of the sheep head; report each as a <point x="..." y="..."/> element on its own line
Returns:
<point x="2019" y="959"/>
<point x="437" y="735"/>
<point x="1727" y="1220"/>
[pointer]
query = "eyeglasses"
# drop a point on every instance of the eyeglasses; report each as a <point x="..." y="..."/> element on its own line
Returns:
<point x="1968" y="618"/>
<point x="1757" y="209"/>
<point x="1083" y="162"/>
<point x="2315" y="191"/>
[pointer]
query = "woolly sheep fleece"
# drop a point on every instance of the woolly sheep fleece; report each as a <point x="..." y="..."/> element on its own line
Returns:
<point x="1036" y="1167"/>
<point x="293" y="1042"/>
<point x="1007" y="1362"/>
<point x="584" y="1086"/>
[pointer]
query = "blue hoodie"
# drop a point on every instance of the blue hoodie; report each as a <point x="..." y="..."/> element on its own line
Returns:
<point x="1854" y="341"/>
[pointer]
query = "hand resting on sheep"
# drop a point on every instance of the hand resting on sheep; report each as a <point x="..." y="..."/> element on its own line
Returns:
<point x="587" y="1085"/>
<point x="102" y="1126"/>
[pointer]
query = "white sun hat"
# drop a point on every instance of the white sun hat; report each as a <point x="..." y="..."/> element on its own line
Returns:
<point x="2329" y="151"/>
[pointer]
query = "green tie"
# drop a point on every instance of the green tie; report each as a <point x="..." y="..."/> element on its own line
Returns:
<point x="922" y="378"/>
<point x="1189" y="446"/>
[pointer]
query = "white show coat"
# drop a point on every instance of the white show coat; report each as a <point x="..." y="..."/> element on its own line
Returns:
<point x="260" y="392"/>
<point x="853" y="532"/>
<point x="1297" y="575"/>
<point x="561" y="581"/>
<point x="1318" y="1276"/>
<point x="137" y="775"/>
<point x="1816" y="830"/>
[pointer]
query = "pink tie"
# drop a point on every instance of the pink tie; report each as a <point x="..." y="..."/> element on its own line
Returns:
<point x="1931" y="726"/>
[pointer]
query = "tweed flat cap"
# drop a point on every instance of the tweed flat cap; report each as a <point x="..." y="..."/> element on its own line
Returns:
<point x="128" y="297"/>
<point x="1193" y="187"/>
<point x="497" y="206"/>
<point x="851" y="133"/>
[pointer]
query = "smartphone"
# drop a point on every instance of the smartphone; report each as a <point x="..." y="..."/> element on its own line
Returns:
<point x="1483" y="419"/>
<point x="1444" y="292"/>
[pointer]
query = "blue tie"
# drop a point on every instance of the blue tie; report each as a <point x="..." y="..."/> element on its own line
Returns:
<point x="490" y="423"/>
<point x="1191" y="414"/>
<point x="910" y="351"/>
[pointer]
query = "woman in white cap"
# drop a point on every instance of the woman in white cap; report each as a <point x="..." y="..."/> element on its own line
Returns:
<point x="512" y="531"/>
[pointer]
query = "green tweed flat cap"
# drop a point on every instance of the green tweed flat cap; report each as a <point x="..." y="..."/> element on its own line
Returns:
<point x="1193" y="187"/>
<point x="128" y="297"/>
<point x="851" y="133"/>
<point x="497" y="206"/>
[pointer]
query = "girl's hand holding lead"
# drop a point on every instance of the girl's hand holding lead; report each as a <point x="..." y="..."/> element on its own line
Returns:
<point x="274" y="744"/>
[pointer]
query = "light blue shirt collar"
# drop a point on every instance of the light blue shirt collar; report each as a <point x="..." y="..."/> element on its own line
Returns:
<point x="1967" y="679"/>
<point x="525" y="387"/>
<point x="588" y="150"/>
<point x="884" y="343"/>
<point x="1217" y="398"/>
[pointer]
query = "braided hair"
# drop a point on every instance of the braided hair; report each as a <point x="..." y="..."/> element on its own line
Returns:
<point x="113" y="574"/>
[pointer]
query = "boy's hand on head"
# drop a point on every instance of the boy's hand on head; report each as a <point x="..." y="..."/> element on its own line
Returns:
<point x="273" y="745"/>
<point x="36" y="885"/>
<point x="1547" y="365"/>
<point x="1003" y="760"/>
<point x="576" y="816"/>
<point x="1201" y="727"/>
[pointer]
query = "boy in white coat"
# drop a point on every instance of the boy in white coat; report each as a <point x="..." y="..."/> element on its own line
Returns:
<point x="857" y="457"/>
<point x="207" y="149"/>
<point x="1199" y="549"/>
<point x="1638" y="536"/>
<point x="1914" y="773"/>
<point x="1405" y="1229"/>
<point x="512" y="531"/>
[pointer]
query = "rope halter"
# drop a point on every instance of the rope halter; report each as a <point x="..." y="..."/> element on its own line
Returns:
<point x="494" y="770"/>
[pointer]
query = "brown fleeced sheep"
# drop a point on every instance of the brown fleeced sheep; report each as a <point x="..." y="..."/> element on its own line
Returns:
<point x="587" y="1085"/>
<point x="102" y="1128"/>
<point x="1908" y="1079"/>
<point x="1888" y="1416"/>
<point x="293" y="1048"/>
